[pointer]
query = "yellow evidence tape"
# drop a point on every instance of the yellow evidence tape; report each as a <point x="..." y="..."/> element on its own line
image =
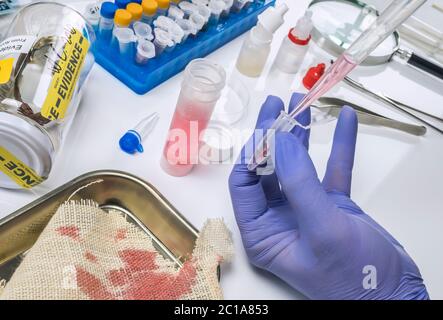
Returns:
<point x="6" y="70"/>
<point x="19" y="172"/>
<point x="65" y="78"/>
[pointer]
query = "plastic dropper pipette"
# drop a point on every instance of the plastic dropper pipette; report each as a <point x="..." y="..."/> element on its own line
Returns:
<point x="394" y="15"/>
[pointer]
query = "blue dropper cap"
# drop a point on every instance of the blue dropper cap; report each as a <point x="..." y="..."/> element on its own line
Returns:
<point x="122" y="4"/>
<point x="131" y="142"/>
<point x="108" y="9"/>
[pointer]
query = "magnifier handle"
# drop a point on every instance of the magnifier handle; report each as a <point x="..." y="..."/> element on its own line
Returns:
<point x="426" y="65"/>
<point x="420" y="63"/>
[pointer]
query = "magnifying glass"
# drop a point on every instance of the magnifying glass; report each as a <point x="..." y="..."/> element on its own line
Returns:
<point x="337" y="23"/>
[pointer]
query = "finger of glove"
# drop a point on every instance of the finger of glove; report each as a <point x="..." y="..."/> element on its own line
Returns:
<point x="247" y="194"/>
<point x="300" y="184"/>
<point x="303" y="118"/>
<point x="338" y="174"/>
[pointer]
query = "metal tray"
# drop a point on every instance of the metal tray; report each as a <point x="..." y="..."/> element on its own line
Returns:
<point x="137" y="200"/>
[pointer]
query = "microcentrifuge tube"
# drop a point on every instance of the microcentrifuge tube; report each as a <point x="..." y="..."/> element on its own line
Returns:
<point x="187" y="27"/>
<point x="143" y="31"/>
<point x="162" y="41"/>
<point x="131" y="141"/>
<point x="145" y="51"/>
<point x="188" y="8"/>
<point x="175" y="13"/>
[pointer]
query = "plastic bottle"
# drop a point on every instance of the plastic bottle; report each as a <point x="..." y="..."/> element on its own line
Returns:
<point x="256" y="48"/>
<point x="313" y="75"/>
<point x="202" y="85"/>
<point x="295" y="46"/>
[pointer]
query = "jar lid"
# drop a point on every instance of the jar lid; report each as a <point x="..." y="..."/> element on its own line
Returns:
<point x="26" y="152"/>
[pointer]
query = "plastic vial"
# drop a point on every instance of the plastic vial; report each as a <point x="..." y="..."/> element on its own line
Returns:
<point x="163" y="6"/>
<point x="295" y="46"/>
<point x="136" y="11"/>
<point x="202" y="85"/>
<point x="175" y="32"/>
<point x="131" y="141"/>
<point x="188" y="8"/>
<point x="143" y="31"/>
<point x="187" y="27"/>
<point x="175" y="13"/>
<point x="149" y="10"/>
<point x="216" y="7"/>
<point x="106" y="23"/>
<point x="256" y="48"/>
<point x="162" y="41"/>
<point x="145" y="51"/>
<point x="198" y="22"/>
<point x="227" y="9"/>
<point x="125" y="38"/>
<point x="205" y="13"/>
<point x="92" y="14"/>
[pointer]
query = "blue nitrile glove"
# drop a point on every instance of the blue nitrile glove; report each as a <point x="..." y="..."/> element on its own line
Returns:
<point x="310" y="233"/>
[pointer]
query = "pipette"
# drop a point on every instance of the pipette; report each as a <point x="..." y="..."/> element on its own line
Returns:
<point x="395" y="14"/>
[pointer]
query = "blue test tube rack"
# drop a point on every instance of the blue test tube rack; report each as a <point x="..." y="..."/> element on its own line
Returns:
<point x="143" y="78"/>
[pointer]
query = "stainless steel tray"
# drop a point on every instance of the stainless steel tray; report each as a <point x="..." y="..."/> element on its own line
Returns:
<point x="137" y="200"/>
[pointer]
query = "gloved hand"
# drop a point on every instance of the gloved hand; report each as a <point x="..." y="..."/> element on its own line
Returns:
<point x="310" y="233"/>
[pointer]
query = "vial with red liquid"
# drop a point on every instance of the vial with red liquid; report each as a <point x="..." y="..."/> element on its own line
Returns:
<point x="202" y="85"/>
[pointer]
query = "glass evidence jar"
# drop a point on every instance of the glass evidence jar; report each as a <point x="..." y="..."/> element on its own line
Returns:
<point x="202" y="85"/>
<point x="44" y="62"/>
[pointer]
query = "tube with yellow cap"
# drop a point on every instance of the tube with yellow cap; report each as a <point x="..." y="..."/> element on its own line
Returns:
<point x="149" y="10"/>
<point x="122" y="20"/>
<point x="163" y="6"/>
<point x="136" y="11"/>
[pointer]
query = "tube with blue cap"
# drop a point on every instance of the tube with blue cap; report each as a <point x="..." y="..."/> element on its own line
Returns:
<point x="106" y="22"/>
<point x="131" y="142"/>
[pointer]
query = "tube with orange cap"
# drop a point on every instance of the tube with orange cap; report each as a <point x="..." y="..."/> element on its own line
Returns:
<point x="149" y="10"/>
<point x="136" y="11"/>
<point x="163" y="6"/>
<point x="123" y="36"/>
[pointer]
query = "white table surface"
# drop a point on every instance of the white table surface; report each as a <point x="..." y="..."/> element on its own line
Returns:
<point x="397" y="177"/>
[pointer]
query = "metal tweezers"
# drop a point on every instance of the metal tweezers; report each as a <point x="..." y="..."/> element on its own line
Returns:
<point x="396" y="104"/>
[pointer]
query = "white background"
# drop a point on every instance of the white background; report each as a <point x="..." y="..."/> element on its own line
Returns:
<point x="397" y="177"/>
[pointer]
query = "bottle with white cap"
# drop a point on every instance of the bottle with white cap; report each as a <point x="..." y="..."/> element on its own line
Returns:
<point x="295" y="46"/>
<point x="256" y="48"/>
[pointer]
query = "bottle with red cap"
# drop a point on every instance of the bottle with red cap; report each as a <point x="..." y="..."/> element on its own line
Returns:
<point x="295" y="46"/>
<point x="313" y="75"/>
